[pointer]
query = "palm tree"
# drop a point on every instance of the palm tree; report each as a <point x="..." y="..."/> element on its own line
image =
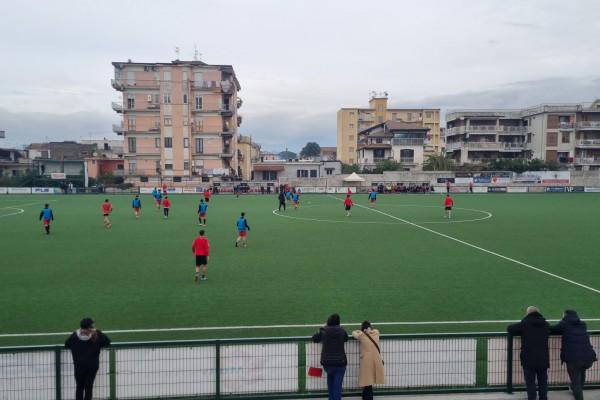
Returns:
<point x="438" y="162"/>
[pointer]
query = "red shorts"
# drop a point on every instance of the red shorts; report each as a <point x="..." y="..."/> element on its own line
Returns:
<point x="203" y="214"/>
<point x="296" y="202"/>
<point x="136" y="209"/>
<point x="158" y="202"/>
<point x="46" y="222"/>
<point x="241" y="233"/>
<point x="373" y="200"/>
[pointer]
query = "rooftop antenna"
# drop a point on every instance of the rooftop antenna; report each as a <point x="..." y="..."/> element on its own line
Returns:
<point x="177" y="52"/>
<point x="197" y="56"/>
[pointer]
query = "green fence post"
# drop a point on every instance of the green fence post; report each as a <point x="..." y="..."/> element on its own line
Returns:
<point x="112" y="373"/>
<point x="509" y="366"/>
<point x="57" y="373"/>
<point x="217" y="370"/>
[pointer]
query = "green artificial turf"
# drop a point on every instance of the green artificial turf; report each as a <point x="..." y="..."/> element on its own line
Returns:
<point x="400" y="262"/>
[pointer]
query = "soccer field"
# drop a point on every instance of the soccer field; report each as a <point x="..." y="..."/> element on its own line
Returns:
<point x="401" y="265"/>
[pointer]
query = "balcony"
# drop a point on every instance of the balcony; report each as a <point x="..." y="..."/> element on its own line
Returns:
<point x="118" y="129"/>
<point x="122" y="84"/>
<point x="153" y="106"/>
<point x="589" y="144"/>
<point x="239" y="102"/>
<point x="487" y="129"/>
<point x="408" y="142"/>
<point x="118" y="107"/>
<point x="566" y="125"/>
<point x="478" y="146"/>
<point x="407" y="160"/>
<point x="587" y="161"/>
<point x="588" y="125"/>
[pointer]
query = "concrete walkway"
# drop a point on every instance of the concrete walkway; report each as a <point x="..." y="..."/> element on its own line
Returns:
<point x="552" y="395"/>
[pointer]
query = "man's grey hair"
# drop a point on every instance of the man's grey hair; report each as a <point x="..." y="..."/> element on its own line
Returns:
<point x="531" y="309"/>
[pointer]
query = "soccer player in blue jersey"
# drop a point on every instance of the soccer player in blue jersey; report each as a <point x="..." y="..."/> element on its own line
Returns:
<point x="46" y="216"/>
<point x="288" y="196"/>
<point x="242" y="227"/>
<point x="202" y="212"/>
<point x="136" y="204"/>
<point x="373" y="197"/>
<point x="296" y="198"/>
<point x="158" y="198"/>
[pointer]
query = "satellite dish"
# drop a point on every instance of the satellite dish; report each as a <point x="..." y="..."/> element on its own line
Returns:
<point x="95" y="154"/>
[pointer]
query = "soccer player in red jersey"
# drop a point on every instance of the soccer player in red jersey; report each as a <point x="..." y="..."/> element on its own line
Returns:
<point x="207" y="195"/>
<point x="201" y="249"/>
<point x="348" y="204"/>
<point x="166" y="206"/>
<point x="106" y="210"/>
<point x="448" y="203"/>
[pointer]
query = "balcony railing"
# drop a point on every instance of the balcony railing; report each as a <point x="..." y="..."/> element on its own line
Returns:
<point x="407" y="160"/>
<point x="118" y="107"/>
<point x="118" y="129"/>
<point x="500" y="129"/>
<point x="587" y="161"/>
<point x="408" y="142"/>
<point x="588" y="143"/>
<point x="485" y="146"/>
<point x="592" y="125"/>
<point x="121" y="84"/>
<point x="566" y="125"/>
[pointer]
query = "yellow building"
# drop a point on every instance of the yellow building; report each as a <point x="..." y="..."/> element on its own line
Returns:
<point x="350" y="121"/>
<point x="179" y="121"/>
<point x="248" y="154"/>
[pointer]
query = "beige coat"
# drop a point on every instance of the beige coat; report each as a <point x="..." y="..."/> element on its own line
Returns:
<point x="371" y="364"/>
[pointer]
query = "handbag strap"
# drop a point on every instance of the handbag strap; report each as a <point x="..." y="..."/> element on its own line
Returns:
<point x="371" y="339"/>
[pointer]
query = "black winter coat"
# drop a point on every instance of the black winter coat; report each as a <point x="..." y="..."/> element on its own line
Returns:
<point x="576" y="344"/>
<point x="333" y="352"/>
<point x="534" y="332"/>
<point x="86" y="353"/>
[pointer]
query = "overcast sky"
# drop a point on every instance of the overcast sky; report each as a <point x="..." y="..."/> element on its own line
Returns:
<point x="298" y="62"/>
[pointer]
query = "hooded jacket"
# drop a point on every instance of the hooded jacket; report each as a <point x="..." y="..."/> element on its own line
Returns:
<point x="575" y="340"/>
<point x="534" y="331"/>
<point x="85" y="349"/>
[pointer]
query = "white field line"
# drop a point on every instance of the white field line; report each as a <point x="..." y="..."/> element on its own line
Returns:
<point x="248" y="327"/>
<point x="481" y="249"/>
<point x="16" y="207"/>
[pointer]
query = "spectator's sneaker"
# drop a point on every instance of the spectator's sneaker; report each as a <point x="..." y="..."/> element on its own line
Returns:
<point x="203" y="278"/>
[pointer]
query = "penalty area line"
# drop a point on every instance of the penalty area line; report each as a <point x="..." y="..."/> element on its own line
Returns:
<point x="249" y="327"/>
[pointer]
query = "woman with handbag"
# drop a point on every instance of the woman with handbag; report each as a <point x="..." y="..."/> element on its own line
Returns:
<point x="371" y="364"/>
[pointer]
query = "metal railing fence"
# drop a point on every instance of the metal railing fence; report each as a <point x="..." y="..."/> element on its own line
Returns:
<point x="276" y="368"/>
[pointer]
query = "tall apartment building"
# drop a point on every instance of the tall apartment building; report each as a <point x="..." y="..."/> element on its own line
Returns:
<point x="180" y="121"/>
<point x="248" y="154"/>
<point x="568" y="134"/>
<point x="351" y="121"/>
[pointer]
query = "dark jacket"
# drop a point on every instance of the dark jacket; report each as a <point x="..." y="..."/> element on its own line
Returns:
<point x="333" y="352"/>
<point x="576" y="344"/>
<point x="534" y="332"/>
<point x="86" y="349"/>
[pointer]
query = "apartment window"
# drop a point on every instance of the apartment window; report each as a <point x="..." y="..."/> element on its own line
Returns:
<point x="378" y="140"/>
<point x="167" y="98"/>
<point x="157" y="142"/>
<point x="564" y="118"/>
<point x="156" y="98"/>
<point x="313" y="173"/>
<point x="566" y="137"/>
<point x="329" y="171"/>
<point x="351" y="149"/>
<point x="351" y="126"/>
<point x="394" y="116"/>
<point x="185" y="120"/>
<point x="351" y="114"/>
<point x="351" y="160"/>
<point x="131" y="142"/>
<point x="143" y="179"/>
<point x="198" y="102"/>
<point x="302" y="173"/>
<point x="379" y="119"/>
<point x="132" y="167"/>
<point x="130" y="101"/>
<point x="186" y="165"/>
<point x="381" y="108"/>
<point x="185" y="98"/>
<point x="197" y="79"/>
<point x="269" y="175"/>
<point x="428" y="114"/>
<point x="168" y="167"/>
<point x="351" y="138"/>
<point x="199" y="146"/>
<point x="157" y="120"/>
<point x="168" y="142"/>
<point x="131" y="123"/>
<point x="167" y="75"/>
<point x="157" y="165"/>
<point x="186" y="142"/>
<point x="168" y="120"/>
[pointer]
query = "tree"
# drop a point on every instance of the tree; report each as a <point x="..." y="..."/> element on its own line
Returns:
<point x="387" y="165"/>
<point x="350" y="168"/>
<point x="286" y="155"/>
<point x="311" y="149"/>
<point x="438" y="162"/>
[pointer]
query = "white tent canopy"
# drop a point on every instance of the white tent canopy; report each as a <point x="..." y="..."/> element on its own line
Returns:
<point x="353" y="178"/>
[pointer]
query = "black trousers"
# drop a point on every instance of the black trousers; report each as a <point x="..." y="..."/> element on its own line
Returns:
<point x="84" y="379"/>
<point x="282" y="204"/>
<point x="367" y="393"/>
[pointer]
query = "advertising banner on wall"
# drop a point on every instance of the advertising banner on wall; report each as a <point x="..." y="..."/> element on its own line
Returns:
<point x="536" y="189"/>
<point x="444" y="180"/>
<point x="497" y="189"/>
<point x="189" y="190"/>
<point x="19" y="190"/>
<point x="555" y="189"/>
<point x="320" y="190"/>
<point x="463" y="180"/>
<point x="482" y="177"/>
<point x="3" y="190"/>
<point x="42" y="190"/>
<point x="575" y="189"/>
<point x="501" y="177"/>
<point x="528" y="177"/>
<point x="556" y="177"/>
<point x="592" y="189"/>
<point x="146" y="190"/>
<point x="517" y="189"/>
<point x="58" y="175"/>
